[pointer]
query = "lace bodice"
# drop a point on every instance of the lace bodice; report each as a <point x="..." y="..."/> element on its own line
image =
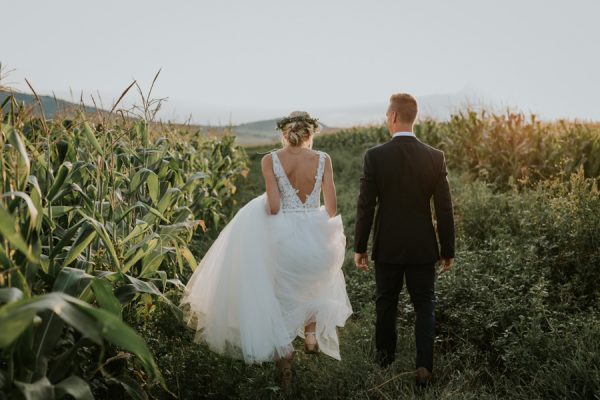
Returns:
<point x="290" y="201"/>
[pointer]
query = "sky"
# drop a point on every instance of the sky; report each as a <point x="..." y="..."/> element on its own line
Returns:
<point x="227" y="61"/>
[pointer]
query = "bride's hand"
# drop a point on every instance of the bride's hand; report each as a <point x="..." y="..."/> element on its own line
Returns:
<point x="361" y="260"/>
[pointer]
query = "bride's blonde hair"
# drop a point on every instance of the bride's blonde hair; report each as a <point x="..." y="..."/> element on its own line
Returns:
<point x="298" y="128"/>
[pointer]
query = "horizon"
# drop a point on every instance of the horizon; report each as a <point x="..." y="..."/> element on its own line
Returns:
<point x="242" y="62"/>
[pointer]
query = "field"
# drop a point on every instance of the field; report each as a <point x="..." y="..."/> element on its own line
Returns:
<point x="102" y="222"/>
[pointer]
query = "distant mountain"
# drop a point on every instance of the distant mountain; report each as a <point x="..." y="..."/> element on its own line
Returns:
<point x="257" y="128"/>
<point x="52" y="106"/>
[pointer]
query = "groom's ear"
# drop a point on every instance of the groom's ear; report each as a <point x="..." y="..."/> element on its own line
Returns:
<point x="393" y="115"/>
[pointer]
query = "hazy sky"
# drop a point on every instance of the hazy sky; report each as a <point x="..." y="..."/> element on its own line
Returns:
<point x="251" y="58"/>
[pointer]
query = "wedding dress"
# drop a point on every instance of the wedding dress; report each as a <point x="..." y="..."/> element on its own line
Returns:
<point x="267" y="276"/>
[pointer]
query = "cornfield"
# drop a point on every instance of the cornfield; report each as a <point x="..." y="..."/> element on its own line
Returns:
<point x="96" y="221"/>
<point x="504" y="150"/>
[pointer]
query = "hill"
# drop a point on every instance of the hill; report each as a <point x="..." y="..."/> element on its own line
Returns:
<point x="261" y="132"/>
<point x="52" y="106"/>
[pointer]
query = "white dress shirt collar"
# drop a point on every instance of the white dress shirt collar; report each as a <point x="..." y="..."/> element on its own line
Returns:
<point x="403" y="134"/>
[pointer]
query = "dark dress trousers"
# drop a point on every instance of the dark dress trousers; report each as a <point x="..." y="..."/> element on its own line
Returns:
<point x="400" y="178"/>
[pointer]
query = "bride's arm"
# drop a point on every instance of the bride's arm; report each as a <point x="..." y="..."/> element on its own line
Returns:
<point x="329" y="196"/>
<point x="273" y="196"/>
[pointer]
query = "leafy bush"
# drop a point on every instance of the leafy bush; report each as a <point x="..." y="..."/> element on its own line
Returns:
<point x="523" y="299"/>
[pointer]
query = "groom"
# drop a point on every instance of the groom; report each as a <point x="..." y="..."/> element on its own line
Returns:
<point x="399" y="179"/>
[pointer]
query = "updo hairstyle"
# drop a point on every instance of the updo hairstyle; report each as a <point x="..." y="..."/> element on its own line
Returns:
<point x="298" y="128"/>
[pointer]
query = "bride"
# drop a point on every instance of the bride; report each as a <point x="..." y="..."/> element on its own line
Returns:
<point x="274" y="272"/>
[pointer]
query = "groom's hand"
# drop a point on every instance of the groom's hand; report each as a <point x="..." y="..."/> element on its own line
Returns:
<point x="446" y="264"/>
<point x="362" y="261"/>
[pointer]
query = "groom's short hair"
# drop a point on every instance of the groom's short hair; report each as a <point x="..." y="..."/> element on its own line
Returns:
<point x="405" y="106"/>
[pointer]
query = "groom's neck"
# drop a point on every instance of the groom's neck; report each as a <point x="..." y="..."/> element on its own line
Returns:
<point x="400" y="128"/>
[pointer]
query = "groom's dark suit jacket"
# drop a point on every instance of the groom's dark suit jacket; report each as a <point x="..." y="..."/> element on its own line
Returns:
<point x="399" y="179"/>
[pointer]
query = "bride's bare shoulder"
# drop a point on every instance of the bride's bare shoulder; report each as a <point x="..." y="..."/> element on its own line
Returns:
<point x="325" y="154"/>
<point x="267" y="158"/>
<point x="267" y="162"/>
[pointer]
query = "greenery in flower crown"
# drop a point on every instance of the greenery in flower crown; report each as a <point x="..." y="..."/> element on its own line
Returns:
<point x="297" y="118"/>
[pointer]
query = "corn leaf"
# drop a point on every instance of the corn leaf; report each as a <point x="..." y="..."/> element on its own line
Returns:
<point x="105" y="296"/>
<point x="73" y="386"/>
<point x="85" y="237"/>
<point x="7" y="229"/>
<point x="91" y="137"/>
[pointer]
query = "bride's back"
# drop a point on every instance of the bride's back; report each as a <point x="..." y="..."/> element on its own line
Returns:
<point x="301" y="169"/>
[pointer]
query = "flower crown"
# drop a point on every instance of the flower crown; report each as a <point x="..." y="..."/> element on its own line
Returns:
<point x="297" y="118"/>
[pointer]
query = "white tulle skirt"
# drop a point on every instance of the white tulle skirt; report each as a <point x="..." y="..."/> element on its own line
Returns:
<point x="264" y="279"/>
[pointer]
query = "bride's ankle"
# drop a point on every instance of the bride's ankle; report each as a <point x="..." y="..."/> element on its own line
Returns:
<point x="284" y="363"/>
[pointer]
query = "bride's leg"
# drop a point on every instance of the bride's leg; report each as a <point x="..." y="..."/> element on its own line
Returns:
<point x="284" y="361"/>
<point x="310" y="340"/>
<point x="284" y="365"/>
<point x="310" y="329"/>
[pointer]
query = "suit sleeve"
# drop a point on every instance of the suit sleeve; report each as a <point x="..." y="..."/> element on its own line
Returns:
<point x="365" y="209"/>
<point x="442" y="202"/>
